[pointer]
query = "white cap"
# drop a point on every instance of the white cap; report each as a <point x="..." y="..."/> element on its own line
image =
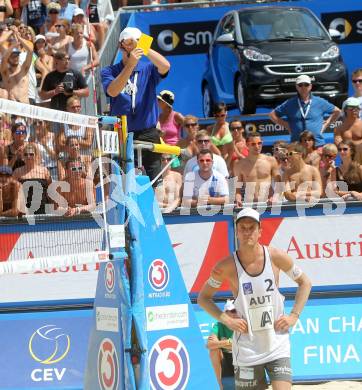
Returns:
<point x="39" y="37"/>
<point x="130" y="32"/>
<point x="303" y="79"/>
<point x="351" y="102"/>
<point x="250" y="213"/>
<point x="78" y="11"/>
<point x="229" y="305"/>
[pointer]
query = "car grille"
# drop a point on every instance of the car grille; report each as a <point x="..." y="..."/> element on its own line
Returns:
<point x="297" y="69"/>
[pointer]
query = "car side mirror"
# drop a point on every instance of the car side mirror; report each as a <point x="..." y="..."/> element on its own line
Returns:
<point x="334" y="33"/>
<point x="225" y="38"/>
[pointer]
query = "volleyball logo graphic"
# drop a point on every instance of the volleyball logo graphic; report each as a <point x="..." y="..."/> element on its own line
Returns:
<point x="158" y="275"/>
<point x="49" y="344"/>
<point x="109" y="277"/>
<point x="169" y="364"/>
<point x="107" y="365"/>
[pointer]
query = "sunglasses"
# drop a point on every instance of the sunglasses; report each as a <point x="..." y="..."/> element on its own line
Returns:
<point x="59" y="25"/>
<point x="352" y="108"/>
<point x="290" y="154"/>
<point x="29" y="154"/>
<point x="329" y="156"/>
<point x="303" y="85"/>
<point x="205" y="160"/>
<point x="190" y="124"/>
<point x="53" y="11"/>
<point x="20" y="132"/>
<point x="74" y="107"/>
<point x="203" y="141"/>
<point x="220" y="115"/>
<point x="357" y="81"/>
<point x="76" y="169"/>
<point x="236" y="128"/>
<point x="166" y="158"/>
<point x="255" y="143"/>
<point x="307" y="139"/>
<point x="343" y="149"/>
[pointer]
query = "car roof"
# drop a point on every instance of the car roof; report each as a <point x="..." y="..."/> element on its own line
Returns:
<point x="266" y="7"/>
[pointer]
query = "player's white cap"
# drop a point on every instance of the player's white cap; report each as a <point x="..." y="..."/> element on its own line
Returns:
<point x="250" y="213"/>
<point x="130" y="32"/>
<point x="229" y="305"/>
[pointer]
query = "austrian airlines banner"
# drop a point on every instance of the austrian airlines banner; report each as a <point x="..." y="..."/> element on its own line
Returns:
<point x="327" y="248"/>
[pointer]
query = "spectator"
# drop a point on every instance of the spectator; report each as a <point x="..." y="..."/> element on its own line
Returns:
<point x="204" y="143"/>
<point x="14" y="151"/>
<point x="302" y="181"/>
<point x="88" y="29"/>
<point x="305" y="111"/>
<point x="66" y="10"/>
<point x="168" y="192"/>
<point x="6" y="10"/>
<point x="15" y="4"/>
<point x="9" y="193"/>
<point x="61" y="40"/>
<point x="327" y="168"/>
<point x="15" y="76"/>
<point x="206" y="186"/>
<point x="239" y="143"/>
<point x="45" y="140"/>
<point x="98" y="16"/>
<point x="357" y="86"/>
<point x="83" y="55"/>
<point x="220" y="132"/>
<point x="131" y="85"/>
<point x="350" y="171"/>
<point x="311" y="155"/>
<point x="80" y="198"/>
<point x="44" y="62"/>
<point x="62" y="83"/>
<point x="219" y="344"/>
<point x="83" y="133"/>
<point x="37" y="178"/>
<point x="53" y="10"/>
<point x="280" y="150"/>
<point x="351" y="127"/>
<point x="72" y="152"/>
<point x="256" y="172"/>
<point x="188" y="145"/>
<point x="5" y="132"/>
<point x="170" y="121"/>
<point x="34" y="14"/>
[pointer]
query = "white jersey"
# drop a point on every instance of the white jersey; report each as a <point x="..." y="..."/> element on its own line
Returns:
<point x="259" y="302"/>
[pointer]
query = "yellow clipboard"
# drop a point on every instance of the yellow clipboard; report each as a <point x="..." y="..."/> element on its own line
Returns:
<point x="145" y="43"/>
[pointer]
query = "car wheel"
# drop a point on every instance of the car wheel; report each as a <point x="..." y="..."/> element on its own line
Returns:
<point x="207" y="102"/>
<point x="245" y="106"/>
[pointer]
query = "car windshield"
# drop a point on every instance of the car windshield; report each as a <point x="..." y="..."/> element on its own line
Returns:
<point x="279" y="25"/>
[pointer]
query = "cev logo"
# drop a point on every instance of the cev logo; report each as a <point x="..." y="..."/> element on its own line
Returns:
<point x="167" y="40"/>
<point x="109" y="277"/>
<point x="107" y="365"/>
<point x="158" y="275"/>
<point x="169" y="364"/>
<point x="48" y="345"/>
<point x="342" y="26"/>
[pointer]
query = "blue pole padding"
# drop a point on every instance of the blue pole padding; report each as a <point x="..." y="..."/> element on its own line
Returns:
<point x="108" y="120"/>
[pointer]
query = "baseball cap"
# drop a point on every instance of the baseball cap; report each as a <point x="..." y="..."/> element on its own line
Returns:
<point x="130" y="32"/>
<point x="167" y="97"/>
<point x="229" y="305"/>
<point x="351" y="102"/>
<point x="53" y="5"/>
<point x="39" y="37"/>
<point x="78" y="11"/>
<point x="303" y="79"/>
<point x="15" y="50"/>
<point x="248" y="212"/>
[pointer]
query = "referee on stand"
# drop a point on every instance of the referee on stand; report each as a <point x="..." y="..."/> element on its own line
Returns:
<point x="131" y="85"/>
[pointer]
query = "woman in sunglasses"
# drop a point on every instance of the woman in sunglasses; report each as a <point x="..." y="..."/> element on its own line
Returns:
<point x="327" y="169"/>
<point x="62" y="41"/>
<point x="357" y="86"/>
<point x="35" y="179"/>
<point x="14" y="151"/>
<point x="350" y="171"/>
<point x="311" y="155"/>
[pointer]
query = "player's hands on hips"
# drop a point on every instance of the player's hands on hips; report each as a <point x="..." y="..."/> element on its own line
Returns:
<point x="234" y="323"/>
<point x="135" y="55"/>
<point x="283" y="323"/>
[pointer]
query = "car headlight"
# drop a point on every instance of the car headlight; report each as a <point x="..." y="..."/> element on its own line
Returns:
<point x="254" y="55"/>
<point x="332" y="52"/>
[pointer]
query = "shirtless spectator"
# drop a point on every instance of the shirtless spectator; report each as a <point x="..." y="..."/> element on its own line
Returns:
<point x="327" y="168"/>
<point x="81" y="195"/>
<point x="357" y="86"/>
<point x="302" y="181"/>
<point x="9" y="193"/>
<point x="256" y="172"/>
<point x="311" y="153"/>
<point x="203" y="142"/>
<point x="15" y="76"/>
<point x="351" y="127"/>
<point x="205" y="186"/>
<point x="239" y="144"/>
<point x="168" y="192"/>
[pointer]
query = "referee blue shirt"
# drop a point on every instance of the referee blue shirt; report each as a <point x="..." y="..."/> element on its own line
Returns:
<point x="145" y="113"/>
<point x="319" y="109"/>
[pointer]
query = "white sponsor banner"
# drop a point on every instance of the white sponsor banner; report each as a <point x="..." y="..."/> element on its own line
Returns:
<point x="167" y="317"/>
<point x="107" y="319"/>
<point x="327" y="248"/>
